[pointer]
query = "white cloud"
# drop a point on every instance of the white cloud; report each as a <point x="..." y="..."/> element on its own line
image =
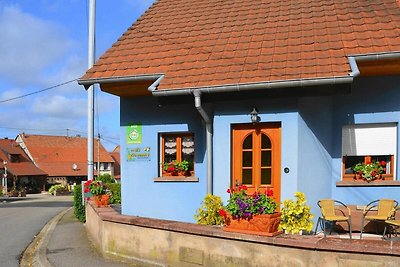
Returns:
<point x="10" y="94"/>
<point x="29" y="45"/>
<point x="61" y="107"/>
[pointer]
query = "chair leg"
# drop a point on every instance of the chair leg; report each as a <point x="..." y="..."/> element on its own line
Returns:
<point x="362" y="226"/>
<point x="332" y="226"/>
<point x="349" y="223"/>
<point x="384" y="231"/>
<point x="316" y="227"/>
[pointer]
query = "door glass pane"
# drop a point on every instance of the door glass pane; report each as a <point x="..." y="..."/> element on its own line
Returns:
<point x="247" y="159"/>
<point x="266" y="158"/>
<point x="247" y="176"/>
<point x="266" y="176"/>
<point x="265" y="142"/>
<point x="248" y="142"/>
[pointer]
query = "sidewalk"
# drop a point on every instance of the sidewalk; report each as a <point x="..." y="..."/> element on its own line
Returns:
<point x="63" y="242"/>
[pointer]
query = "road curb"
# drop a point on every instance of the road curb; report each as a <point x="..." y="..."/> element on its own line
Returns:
<point x="35" y="253"/>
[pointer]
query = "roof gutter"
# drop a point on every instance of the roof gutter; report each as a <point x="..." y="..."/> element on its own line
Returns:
<point x="377" y="56"/>
<point x="121" y="79"/>
<point x="255" y="86"/>
<point x="353" y="59"/>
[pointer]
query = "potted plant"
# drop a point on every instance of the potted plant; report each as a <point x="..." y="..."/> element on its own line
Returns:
<point x="175" y="168"/>
<point x="208" y="214"/>
<point x="252" y="214"/>
<point x="170" y="168"/>
<point x="185" y="168"/>
<point x="296" y="216"/>
<point x="100" y="191"/>
<point x="369" y="171"/>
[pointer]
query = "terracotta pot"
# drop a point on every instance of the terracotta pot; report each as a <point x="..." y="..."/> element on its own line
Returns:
<point x="264" y="224"/>
<point x="102" y="200"/>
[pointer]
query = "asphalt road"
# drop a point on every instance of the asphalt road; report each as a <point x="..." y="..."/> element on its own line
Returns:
<point x="21" y="220"/>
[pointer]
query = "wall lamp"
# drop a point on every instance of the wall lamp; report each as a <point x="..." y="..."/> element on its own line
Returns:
<point x="254" y="116"/>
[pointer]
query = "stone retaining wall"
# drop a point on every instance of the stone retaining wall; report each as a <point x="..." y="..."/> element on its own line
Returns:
<point x="153" y="242"/>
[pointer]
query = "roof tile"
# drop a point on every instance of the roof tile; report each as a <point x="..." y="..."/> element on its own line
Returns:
<point x="284" y="40"/>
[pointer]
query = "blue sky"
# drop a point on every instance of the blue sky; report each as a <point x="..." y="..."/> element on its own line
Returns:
<point x="43" y="44"/>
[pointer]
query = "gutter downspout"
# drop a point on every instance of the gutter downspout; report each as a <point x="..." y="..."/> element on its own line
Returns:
<point x="209" y="139"/>
<point x="354" y="68"/>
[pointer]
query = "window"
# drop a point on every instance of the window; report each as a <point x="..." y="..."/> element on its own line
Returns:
<point x="177" y="154"/>
<point x="362" y="143"/>
<point x="14" y="157"/>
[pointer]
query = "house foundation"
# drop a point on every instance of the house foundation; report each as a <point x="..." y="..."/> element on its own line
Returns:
<point x="154" y="242"/>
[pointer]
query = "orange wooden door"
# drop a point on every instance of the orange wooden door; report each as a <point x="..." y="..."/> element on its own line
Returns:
<point x="256" y="157"/>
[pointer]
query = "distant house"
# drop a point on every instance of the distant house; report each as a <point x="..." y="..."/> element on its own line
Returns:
<point x="21" y="171"/>
<point x="115" y="154"/>
<point x="64" y="158"/>
<point x="287" y="95"/>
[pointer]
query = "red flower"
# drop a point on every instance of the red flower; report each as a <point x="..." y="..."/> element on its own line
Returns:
<point x="373" y="173"/>
<point x="383" y="163"/>
<point x="88" y="198"/>
<point x="228" y="191"/>
<point x="242" y="187"/>
<point x="88" y="182"/>
<point x="171" y="169"/>
<point x="86" y="190"/>
<point x="269" y="192"/>
<point x="222" y="213"/>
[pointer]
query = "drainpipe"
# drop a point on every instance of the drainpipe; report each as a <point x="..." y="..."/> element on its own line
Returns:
<point x="209" y="139"/>
<point x="354" y="68"/>
<point x="154" y="85"/>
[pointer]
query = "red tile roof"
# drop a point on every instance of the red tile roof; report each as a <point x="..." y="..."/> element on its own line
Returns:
<point x="57" y="154"/>
<point x="116" y="155"/>
<point x="24" y="166"/>
<point x="212" y="42"/>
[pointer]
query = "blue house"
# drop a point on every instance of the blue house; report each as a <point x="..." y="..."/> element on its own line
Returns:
<point x="264" y="93"/>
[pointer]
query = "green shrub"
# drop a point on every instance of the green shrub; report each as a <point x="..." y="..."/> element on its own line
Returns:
<point x="79" y="207"/>
<point x="106" y="178"/>
<point x="115" y="193"/>
<point x="57" y="188"/>
<point x="208" y="214"/>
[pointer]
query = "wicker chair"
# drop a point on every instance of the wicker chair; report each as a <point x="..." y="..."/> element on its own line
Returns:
<point x="385" y="208"/>
<point x="329" y="214"/>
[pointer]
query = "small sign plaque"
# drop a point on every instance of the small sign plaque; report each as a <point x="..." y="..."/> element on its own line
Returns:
<point x="138" y="154"/>
<point x="134" y="134"/>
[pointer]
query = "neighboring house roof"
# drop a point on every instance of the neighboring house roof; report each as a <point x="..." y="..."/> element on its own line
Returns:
<point x="115" y="154"/>
<point x="18" y="163"/>
<point x="57" y="154"/>
<point x="212" y="42"/>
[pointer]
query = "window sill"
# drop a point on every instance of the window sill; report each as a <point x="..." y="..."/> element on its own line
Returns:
<point x="176" y="179"/>
<point x="366" y="184"/>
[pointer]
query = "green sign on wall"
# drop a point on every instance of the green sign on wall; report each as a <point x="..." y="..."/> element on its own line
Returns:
<point x="134" y="134"/>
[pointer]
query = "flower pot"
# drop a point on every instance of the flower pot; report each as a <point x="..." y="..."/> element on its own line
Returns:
<point x="264" y="224"/>
<point x="102" y="200"/>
